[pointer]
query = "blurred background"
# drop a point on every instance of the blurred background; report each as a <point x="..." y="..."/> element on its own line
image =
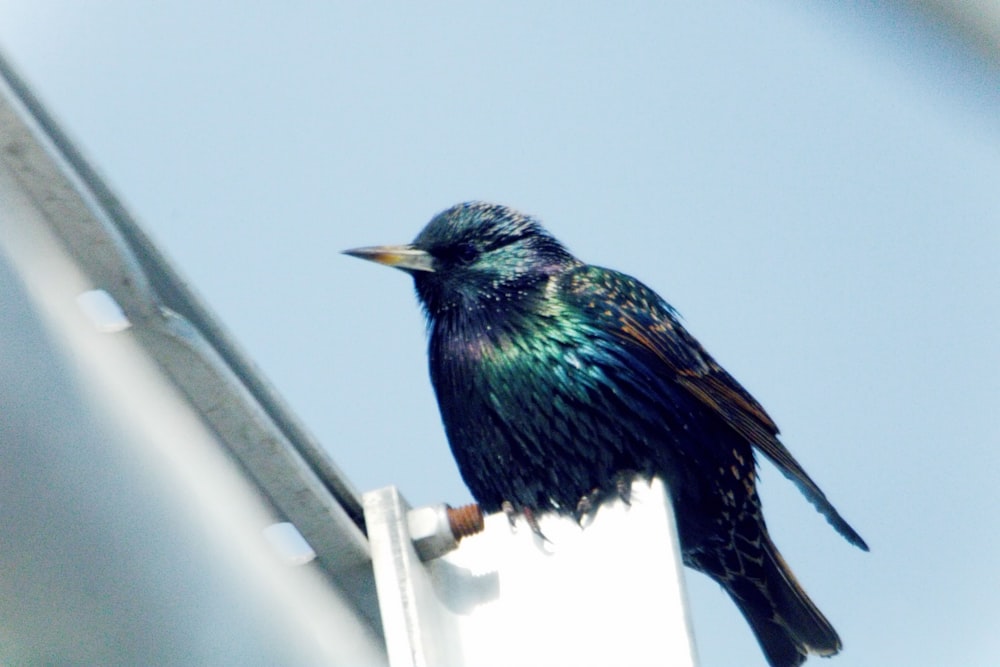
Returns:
<point x="815" y="188"/>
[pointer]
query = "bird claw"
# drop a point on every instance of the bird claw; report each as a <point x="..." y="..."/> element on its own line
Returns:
<point x="587" y="506"/>
<point x="623" y="485"/>
<point x="513" y="513"/>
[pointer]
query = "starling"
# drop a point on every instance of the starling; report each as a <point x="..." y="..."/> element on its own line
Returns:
<point x="557" y="379"/>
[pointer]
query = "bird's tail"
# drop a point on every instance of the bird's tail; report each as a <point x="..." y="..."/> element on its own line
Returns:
<point x="786" y="622"/>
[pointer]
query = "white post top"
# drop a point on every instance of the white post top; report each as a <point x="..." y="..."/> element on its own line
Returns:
<point x="608" y="594"/>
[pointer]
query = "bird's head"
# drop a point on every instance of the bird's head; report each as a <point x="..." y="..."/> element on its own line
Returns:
<point x="475" y="256"/>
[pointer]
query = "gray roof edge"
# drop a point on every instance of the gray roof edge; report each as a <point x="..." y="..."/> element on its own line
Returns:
<point x="181" y="334"/>
<point x="148" y="264"/>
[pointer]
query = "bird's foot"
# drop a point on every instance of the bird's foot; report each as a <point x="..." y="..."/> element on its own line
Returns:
<point x="510" y="512"/>
<point x="529" y="516"/>
<point x="513" y="513"/>
<point x="587" y="506"/>
<point x="623" y="485"/>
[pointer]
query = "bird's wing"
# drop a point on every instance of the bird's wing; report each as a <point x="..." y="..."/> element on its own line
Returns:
<point x="638" y="317"/>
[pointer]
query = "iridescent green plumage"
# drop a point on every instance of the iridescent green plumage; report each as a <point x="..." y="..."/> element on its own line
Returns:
<point x="555" y="378"/>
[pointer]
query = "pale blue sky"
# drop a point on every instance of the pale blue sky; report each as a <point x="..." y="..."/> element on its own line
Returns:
<point x="817" y="191"/>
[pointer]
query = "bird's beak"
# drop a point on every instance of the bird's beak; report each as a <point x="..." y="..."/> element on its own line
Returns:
<point x="405" y="257"/>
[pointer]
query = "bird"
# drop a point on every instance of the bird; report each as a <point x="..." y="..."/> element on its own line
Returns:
<point x="557" y="380"/>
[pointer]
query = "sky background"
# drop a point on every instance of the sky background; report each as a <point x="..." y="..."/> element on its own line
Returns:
<point x="816" y="189"/>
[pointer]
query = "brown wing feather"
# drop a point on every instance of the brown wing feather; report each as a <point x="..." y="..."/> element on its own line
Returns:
<point x="647" y="321"/>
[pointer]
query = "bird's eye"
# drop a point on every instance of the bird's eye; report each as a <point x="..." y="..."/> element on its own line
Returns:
<point x="465" y="253"/>
<point x="456" y="254"/>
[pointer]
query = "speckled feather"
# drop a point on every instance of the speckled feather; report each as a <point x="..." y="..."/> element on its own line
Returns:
<point x="555" y="377"/>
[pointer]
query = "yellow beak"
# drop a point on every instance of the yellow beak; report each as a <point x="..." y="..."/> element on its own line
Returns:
<point x="404" y="257"/>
